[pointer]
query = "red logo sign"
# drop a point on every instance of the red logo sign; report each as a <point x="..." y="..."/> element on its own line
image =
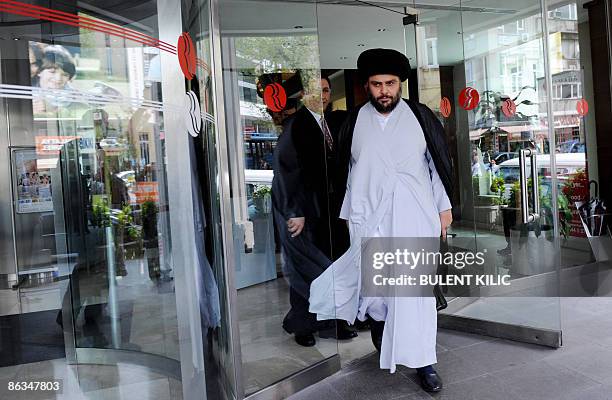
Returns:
<point x="275" y="97"/>
<point x="187" y="55"/>
<point x="469" y="98"/>
<point x="445" y="107"/>
<point x="508" y="108"/>
<point x="582" y="106"/>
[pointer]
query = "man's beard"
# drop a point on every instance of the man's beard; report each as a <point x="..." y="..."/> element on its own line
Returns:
<point x="384" y="109"/>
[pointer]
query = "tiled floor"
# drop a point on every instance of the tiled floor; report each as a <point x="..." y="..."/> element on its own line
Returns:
<point x="269" y="354"/>
<point x="482" y="368"/>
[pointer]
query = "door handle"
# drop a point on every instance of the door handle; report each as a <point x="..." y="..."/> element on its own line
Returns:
<point x="527" y="216"/>
<point x="536" y="186"/>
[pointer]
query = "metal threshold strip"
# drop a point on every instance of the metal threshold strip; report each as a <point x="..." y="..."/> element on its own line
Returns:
<point x="298" y="381"/>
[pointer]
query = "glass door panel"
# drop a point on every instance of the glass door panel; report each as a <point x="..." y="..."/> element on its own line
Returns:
<point x="506" y="64"/>
<point x="271" y="75"/>
<point x="490" y="97"/>
<point x="440" y="76"/>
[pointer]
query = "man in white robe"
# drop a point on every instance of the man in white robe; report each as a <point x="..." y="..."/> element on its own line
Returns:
<point x="393" y="190"/>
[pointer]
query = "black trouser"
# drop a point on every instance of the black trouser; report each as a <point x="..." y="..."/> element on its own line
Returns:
<point x="376" y="330"/>
<point x="298" y="320"/>
<point x="509" y="221"/>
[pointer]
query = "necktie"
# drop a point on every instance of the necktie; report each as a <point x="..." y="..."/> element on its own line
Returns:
<point x="328" y="137"/>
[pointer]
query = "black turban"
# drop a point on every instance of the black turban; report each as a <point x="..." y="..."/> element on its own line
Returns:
<point x="382" y="62"/>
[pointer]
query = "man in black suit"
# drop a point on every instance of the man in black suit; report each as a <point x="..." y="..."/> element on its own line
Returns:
<point x="303" y="207"/>
<point x="340" y="240"/>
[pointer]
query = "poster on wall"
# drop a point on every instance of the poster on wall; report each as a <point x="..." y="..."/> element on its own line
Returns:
<point x="71" y="79"/>
<point x="32" y="183"/>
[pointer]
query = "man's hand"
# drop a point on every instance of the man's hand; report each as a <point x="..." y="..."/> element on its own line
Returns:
<point x="446" y="218"/>
<point x="295" y="225"/>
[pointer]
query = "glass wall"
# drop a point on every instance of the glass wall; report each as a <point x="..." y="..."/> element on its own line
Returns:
<point x="574" y="124"/>
<point x="271" y="76"/>
<point x="90" y="203"/>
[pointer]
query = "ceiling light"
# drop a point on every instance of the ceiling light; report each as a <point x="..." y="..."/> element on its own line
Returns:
<point x="344" y="58"/>
<point x="360" y="45"/>
<point x="382" y="29"/>
<point x="298" y="27"/>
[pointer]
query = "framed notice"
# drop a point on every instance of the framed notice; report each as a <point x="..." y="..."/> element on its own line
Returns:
<point x="32" y="182"/>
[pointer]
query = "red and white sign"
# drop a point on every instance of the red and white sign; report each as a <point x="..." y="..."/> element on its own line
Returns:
<point x="445" y="107"/>
<point x="469" y="98"/>
<point x="582" y="106"/>
<point x="140" y="192"/>
<point x="275" y="97"/>
<point x="509" y="108"/>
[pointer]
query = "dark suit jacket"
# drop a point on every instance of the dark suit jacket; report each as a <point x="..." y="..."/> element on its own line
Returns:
<point x="301" y="187"/>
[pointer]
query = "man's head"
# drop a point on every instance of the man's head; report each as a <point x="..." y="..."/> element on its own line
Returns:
<point x="325" y="92"/>
<point x="382" y="71"/>
<point x="57" y="69"/>
<point x="384" y="92"/>
<point x="312" y="92"/>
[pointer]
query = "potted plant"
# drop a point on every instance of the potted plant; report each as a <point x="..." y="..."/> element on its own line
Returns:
<point x="262" y="198"/>
<point x="499" y="188"/>
<point x="486" y="205"/>
<point x="262" y="218"/>
<point x="127" y="239"/>
<point x="100" y="213"/>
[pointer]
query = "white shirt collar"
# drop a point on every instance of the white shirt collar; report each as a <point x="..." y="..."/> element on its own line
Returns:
<point x="383" y="119"/>
<point x="316" y="116"/>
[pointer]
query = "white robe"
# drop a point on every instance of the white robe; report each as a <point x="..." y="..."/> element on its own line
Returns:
<point x="393" y="190"/>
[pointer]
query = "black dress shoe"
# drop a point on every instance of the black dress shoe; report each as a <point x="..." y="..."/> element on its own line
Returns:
<point x="362" y="325"/>
<point x="506" y="251"/>
<point x="339" y="331"/>
<point x="430" y="381"/>
<point x="346" y="333"/>
<point x="306" y="340"/>
<point x="340" y="334"/>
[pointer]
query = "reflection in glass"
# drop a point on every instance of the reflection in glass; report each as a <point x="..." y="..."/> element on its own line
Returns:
<point x="269" y="80"/>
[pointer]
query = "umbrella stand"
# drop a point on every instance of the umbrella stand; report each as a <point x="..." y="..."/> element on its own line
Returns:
<point x="598" y="230"/>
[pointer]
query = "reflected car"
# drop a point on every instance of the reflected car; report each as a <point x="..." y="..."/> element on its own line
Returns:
<point x="112" y="144"/>
<point x="571" y="146"/>
<point x="567" y="164"/>
<point x="128" y="177"/>
<point x="504" y="156"/>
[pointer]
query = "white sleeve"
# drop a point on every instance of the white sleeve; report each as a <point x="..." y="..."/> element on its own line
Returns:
<point x="440" y="197"/>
